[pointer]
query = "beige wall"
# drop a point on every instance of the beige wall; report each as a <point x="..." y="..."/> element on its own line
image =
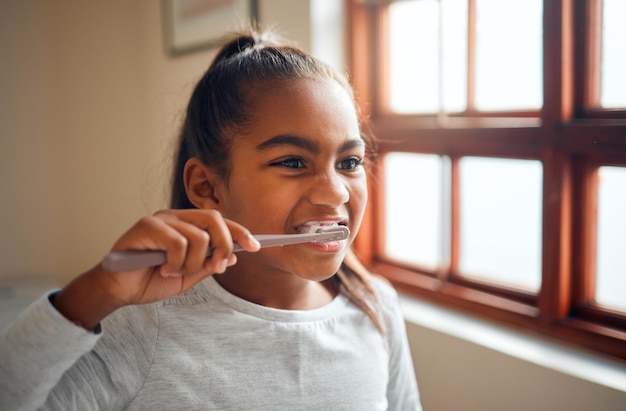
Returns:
<point x="91" y="104"/>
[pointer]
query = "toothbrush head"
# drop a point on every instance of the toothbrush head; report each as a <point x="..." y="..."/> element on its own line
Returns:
<point x="332" y="233"/>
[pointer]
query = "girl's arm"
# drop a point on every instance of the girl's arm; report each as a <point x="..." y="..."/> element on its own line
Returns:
<point x="402" y="390"/>
<point x="36" y="350"/>
<point x="49" y="337"/>
<point x="184" y="235"/>
<point x="50" y="363"/>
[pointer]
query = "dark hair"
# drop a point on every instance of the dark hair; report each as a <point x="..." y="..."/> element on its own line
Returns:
<point x="221" y="104"/>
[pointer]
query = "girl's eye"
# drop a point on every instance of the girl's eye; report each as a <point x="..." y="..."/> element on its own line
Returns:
<point x="291" y="162"/>
<point x="350" y="164"/>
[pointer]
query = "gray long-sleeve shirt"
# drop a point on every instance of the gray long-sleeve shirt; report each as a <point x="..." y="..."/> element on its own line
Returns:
<point x="208" y="349"/>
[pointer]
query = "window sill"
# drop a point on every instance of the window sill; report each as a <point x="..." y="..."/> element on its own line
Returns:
<point x="524" y="346"/>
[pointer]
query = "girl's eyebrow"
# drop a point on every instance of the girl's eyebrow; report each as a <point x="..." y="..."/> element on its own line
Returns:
<point x="305" y="143"/>
<point x="350" y="144"/>
<point x="289" y="140"/>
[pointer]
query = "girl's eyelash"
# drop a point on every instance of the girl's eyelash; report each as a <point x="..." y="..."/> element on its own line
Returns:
<point x="356" y="162"/>
<point x="290" y="162"/>
<point x="297" y="163"/>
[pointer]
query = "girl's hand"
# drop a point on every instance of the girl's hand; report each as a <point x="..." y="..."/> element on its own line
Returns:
<point x="184" y="235"/>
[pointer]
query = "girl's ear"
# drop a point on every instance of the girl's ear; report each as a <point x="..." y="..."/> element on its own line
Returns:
<point x="200" y="184"/>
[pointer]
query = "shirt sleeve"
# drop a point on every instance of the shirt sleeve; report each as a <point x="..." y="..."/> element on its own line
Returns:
<point x="36" y="350"/>
<point x="114" y="370"/>
<point x="402" y="391"/>
<point x="53" y="364"/>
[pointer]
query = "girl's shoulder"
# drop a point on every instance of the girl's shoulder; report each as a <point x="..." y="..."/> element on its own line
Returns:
<point x="389" y="309"/>
<point x="385" y="291"/>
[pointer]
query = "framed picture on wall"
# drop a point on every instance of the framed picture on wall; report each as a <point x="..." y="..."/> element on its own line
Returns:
<point x="192" y="25"/>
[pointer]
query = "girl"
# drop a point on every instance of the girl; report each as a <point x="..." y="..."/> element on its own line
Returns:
<point x="271" y="143"/>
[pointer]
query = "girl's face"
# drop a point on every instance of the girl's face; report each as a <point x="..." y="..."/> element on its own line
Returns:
<point x="299" y="166"/>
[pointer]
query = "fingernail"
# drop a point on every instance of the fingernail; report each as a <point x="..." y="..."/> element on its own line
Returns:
<point x="222" y="266"/>
<point x="254" y="240"/>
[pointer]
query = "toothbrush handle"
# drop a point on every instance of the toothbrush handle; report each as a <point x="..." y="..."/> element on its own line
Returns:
<point x="133" y="259"/>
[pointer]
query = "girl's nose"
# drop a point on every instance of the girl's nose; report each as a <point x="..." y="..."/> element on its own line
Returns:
<point x="329" y="190"/>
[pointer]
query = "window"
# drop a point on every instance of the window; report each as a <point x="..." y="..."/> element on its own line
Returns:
<point x="502" y="180"/>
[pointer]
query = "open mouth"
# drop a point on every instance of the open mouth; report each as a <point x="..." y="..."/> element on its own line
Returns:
<point x="316" y="226"/>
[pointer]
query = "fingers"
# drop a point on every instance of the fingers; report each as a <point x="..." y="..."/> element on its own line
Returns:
<point x="186" y="248"/>
<point x="196" y="230"/>
<point x="243" y="237"/>
<point x="194" y="225"/>
<point x="222" y="252"/>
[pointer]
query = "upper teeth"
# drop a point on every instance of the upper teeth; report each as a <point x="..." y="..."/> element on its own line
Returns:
<point x="314" y="226"/>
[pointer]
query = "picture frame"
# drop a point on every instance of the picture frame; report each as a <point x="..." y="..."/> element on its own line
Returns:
<point x="192" y="25"/>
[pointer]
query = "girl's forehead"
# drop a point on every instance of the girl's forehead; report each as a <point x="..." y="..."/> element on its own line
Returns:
<point x="298" y="89"/>
<point x="305" y="108"/>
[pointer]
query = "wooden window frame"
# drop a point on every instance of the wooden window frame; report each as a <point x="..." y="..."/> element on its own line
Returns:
<point x="568" y="135"/>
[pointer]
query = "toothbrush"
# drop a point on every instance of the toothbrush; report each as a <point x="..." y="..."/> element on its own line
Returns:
<point x="130" y="260"/>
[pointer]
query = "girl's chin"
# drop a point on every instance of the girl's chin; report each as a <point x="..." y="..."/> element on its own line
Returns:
<point x="321" y="272"/>
<point x="313" y="261"/>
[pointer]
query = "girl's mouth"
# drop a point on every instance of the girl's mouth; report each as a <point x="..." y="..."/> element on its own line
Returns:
<point x="315" y="226"/>
<point x="320" y="225"/>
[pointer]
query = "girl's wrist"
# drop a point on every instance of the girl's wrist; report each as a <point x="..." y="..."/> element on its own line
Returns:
<point x="83" y="302"/>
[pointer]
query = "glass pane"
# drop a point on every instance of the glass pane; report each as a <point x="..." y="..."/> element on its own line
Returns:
<point x="414" y="208"/>
<point x="500" y="221"/>
<point x="613" y="78"/>
<point x="508" y="55"/>
<point x="454" y="55"/>
<point x="611" y="247"/>
<point x="415" y="56"/>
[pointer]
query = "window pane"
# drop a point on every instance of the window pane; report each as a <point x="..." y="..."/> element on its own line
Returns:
<point x="611" y="247"/>
<point x="508" y="55"/>
<point x="414" y="209"/>
<point x="500" y="221"/>
<point x="613" y="78"/>
<point x="454" y="55"/>
<point x="415" y="56"/>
